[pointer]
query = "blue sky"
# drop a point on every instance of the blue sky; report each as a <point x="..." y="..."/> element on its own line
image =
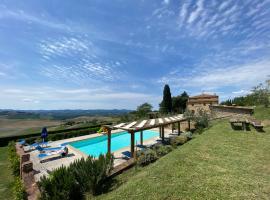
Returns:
<point x="120" y="53"/>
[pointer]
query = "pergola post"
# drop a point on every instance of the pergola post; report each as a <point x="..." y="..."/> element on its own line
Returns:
<point x="109" y="140"/>
<point x="178" y="127"/>
<point x="141" y="137"/>
<point x="189" y="124"/>
<point x="172" y="127"/>
<point x="162" y="133"/>
<point x="132" y="144"/>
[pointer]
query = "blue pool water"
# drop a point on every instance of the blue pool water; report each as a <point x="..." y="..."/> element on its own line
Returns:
<point x="98" y="145"/>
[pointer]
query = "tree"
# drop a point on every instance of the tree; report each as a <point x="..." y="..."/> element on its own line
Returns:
<point x="143" y="109"/>
<point x="166" y="104"/>
<point x="261" y="94"/>
<point x="179" y="103"/>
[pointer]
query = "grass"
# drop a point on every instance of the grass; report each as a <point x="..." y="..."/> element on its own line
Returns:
<point x="262" y="113"/>
<point x="6" y="177"/>
<point x="219" y="164"/>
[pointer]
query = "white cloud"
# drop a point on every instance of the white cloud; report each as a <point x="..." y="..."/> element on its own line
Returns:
<point x="83" y="98"/>
<point x="166" y="2"/>
<point x="241" y="92"/>
<point x="23" y="16"/>
<point x="195" y="14"/>
<point x="3" y="74"/>
<point x="247" y="75"/>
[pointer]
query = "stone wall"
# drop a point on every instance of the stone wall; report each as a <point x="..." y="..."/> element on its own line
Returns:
<point x="223" y="111"/>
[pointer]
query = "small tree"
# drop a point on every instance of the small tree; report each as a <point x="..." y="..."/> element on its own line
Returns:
<point x="143" y="109"/>
<point x="166" y="104"/>
<point x="261" y="94"/>
<point x="202" y="119"/>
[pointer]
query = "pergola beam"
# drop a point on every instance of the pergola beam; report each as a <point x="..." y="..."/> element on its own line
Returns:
<point x="132" y="143"/>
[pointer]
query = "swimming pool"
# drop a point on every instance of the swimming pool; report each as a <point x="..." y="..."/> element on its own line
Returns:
<point x="98" y="145"/>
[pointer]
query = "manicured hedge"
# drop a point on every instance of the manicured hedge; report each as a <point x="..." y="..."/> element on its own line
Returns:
<point x="65" y="135"/>
<point x="5" y="140"/>
<point x="18" y="189"/>
<point x="14" y="159"/>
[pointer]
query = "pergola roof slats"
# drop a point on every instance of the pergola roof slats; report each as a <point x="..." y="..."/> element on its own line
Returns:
<point x="141" y="124"/>
<point x="167" y="119"/>
<point x="160" y="121"/>
<point x="152" y="122"/>
<point x="172" y="118"/>
<point x="130" y="125"/>
<point x="148" y="124"/>
<point x="119" y="125"/>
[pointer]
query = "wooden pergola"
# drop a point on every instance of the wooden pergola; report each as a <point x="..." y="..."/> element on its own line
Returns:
<point x="140" y="126"/>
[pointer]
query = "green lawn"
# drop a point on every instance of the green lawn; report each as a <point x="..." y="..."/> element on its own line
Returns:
<point x="6" y="177"/>
<point x="262" y="113"/>
<point x="218" y="164"/>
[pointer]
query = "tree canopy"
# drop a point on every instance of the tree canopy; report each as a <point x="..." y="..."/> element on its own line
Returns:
<point x="259" y="96"/>
<point x="143" y="109"/>
<point x="166" y="104"/>
<point x="179" y="103"/>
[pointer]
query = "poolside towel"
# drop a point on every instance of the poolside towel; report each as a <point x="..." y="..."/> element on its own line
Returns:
<point x="32" y="146"/>
<point x="62" y="152"/>
<point x="50" y="149"/>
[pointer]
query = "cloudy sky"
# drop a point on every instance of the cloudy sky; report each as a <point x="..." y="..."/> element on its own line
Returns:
<point x="120" y="53"/>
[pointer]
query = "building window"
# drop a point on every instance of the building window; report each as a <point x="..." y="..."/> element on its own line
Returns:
<point x="204" y="104"/>
<point x="192" y="104"/>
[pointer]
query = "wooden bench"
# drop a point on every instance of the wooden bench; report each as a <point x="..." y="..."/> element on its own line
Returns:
<point x="256" y="124"/>
<point x="244" y="123"/>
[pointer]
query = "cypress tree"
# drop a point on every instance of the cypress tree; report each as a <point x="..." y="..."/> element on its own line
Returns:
<point x="167" y="100"/>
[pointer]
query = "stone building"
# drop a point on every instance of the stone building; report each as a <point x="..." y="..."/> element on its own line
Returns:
<point x="202" y="101"/>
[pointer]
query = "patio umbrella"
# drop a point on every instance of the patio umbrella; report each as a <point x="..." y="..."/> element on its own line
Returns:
<point x="44" y="133"/>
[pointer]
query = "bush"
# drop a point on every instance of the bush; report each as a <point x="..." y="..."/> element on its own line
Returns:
<point x="146" y="157"/>
<point x="14" y="159"/>
<point x="202" y="119"/>
<point x="162" y="150"/>
<point x="84" y="175"/>
<point x="19" y="190"/>
<point x="188" y="135"/>
<point x="60" y="184"/>
<point x="91" y="173"/>
<point x="179" y="140"/>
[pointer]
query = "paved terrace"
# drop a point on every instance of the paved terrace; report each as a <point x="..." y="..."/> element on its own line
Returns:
<point x="50" y="164"/>
<point x="159" y="125"/>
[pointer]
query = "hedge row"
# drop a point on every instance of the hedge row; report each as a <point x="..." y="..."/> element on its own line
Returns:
<point x="64" y="135"/>
<point x="18" y="189"/>
<point x="5" y="140"/>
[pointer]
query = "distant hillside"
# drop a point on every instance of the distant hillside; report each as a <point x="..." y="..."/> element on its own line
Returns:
<point x="57" y="114"/>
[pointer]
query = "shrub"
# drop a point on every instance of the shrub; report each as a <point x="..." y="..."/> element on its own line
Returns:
<point x="179" y="140"/>
<point x="188" y="135"/>
<point x="84" y="175"/>
<point x="60" y="184"/>
<point x="19" y="190"/>
<point x="146" y="157"/>
<point x="14" y="159"/>
<point x="202" y="119"/>
<point x="163" y="150"/>
<point x="91" y="173"/>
